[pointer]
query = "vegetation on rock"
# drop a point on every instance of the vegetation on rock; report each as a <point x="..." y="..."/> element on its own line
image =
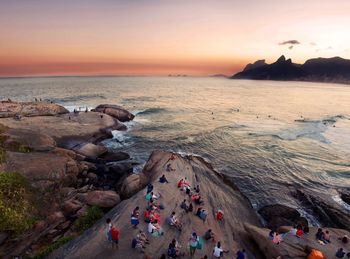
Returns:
<point x="15" y="205"/>
<point x="45" y="251"/>
<point x="93" y="214"/>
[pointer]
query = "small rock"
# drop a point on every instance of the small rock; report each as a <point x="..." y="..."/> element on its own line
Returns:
<point x="71" y="206"/>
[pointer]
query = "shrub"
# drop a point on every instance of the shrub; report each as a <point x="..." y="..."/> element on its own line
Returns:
<point x="45" y="251"/>
<point x="93" y="214"/>
<point x="23" y="149"/>
<point x="15" y="205"/>
<point x="2" y="155"/>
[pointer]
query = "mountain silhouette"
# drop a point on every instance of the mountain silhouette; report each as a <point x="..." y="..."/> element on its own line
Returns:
<point x="334" y="69"/>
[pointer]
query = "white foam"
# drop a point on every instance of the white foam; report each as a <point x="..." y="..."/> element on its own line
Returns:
<point x="343" y="204"/>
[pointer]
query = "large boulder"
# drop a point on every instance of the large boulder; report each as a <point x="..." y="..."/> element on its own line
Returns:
<point x="115" y="111"/>
<point x="70" y="207"/>
<point x="91" y="150"/>
<point x="29" y="109"/>
<point x="103" y="199"/>
<point x="133" y="184"/>
<point x="43" y="170"/>
<point x="280" y="215"/>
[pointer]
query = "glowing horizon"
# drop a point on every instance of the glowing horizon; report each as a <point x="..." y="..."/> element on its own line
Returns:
<point x="154" y="37"/>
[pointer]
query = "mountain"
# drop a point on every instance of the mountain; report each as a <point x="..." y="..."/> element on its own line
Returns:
<point x="256" y="64"/>
<point x="334" y="69"/>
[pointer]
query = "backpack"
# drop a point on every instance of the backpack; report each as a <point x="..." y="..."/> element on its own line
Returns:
<point x="114" y="234"/>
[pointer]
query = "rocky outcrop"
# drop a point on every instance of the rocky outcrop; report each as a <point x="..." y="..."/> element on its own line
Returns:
<point x="9" y="109"/>
<point x="103" y="199"/>
<point x="292" y="247"/>
<point x="115" y="111"/>
<point x="329" y="215"/>
<point x="345" y="197"/>
<point x="236" y="208"/>
<point x="278" y="215"/>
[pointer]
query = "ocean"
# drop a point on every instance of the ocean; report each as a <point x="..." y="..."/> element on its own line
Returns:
<point x="269" y="137"/>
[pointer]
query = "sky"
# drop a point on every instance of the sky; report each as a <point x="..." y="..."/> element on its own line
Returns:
<point x="160" y="37"/>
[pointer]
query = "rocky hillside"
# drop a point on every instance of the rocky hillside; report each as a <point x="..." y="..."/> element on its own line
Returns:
<point x="51" y="160"/>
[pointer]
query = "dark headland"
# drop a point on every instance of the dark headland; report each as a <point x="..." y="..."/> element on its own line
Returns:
<point x="68" y="184"/>
<point x="334" y="70"/>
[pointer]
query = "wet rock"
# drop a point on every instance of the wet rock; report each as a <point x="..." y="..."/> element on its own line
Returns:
<point x="117" y="156"/>
<point x="91" y="150"/>
<point x="345" y="197"/>
<point x="120" y="169"/>
<point x="103" y="199"/>
<point x="280" y="215"/>
<point x="330" y="215"/>
<point x="115" y="111"/>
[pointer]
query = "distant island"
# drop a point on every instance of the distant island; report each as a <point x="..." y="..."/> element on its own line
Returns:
<point x="334" y="70"/>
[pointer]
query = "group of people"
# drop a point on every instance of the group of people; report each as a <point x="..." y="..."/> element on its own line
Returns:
<point x="322" y="237"/>
<point x="153" y="219"/>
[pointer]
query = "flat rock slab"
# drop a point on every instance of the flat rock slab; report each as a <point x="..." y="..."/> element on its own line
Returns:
<point x="28" y="109"/>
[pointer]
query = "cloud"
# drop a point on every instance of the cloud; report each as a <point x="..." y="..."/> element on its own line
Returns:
<point x="289" y="42"/>
<point x="324" y="49"/>
<point x="290" y="47"/>
<point x="313" y="44"/>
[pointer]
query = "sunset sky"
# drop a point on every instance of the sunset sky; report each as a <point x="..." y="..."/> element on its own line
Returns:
<point x="159" y="37"/>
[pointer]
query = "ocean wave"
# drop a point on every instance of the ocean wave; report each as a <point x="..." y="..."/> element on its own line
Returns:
<point x="150" y="111"/>
<point x="76" y="98"/>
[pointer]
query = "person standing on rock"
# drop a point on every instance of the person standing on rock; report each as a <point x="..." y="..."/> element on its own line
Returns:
<point x="193" y="242"/>
<point x="112" y="234"/>
<point x="241" y="254"/>
<point x="218" y="251"/>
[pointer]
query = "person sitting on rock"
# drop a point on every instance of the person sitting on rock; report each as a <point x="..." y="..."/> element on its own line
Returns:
<point x="293" y="231"/>
<point x="197" y="199"/>
<point x="203" y="214"/>
<point x="190" y="207"/>
<point x="174" y="249"/>
<point x="137" y="244"/>
<point x="169" y="168"/>
<point x="155" y="196"/>
<point x="154" y="228"/>
<point x="163" y="179"/>
<point x="196" y="189"/>
<point x="344" y="239"/>
<point x="173" y="221"/>
<point x="240" y="254"/>
<point x="219" y="215"/>
<point x="320" y="236"/>
<point x="209" y="234"/>
<point x="271" y="235"/>
<point x="218" y="251"/>
<point x="184" y="206"/>
<point x="142" y="237"/>
<point x="299" y="232"/>
<point x="149" y="188"/>
<point x="276" y="239"/>
<point x="180" y="183"/>
<point x="327" y="236"/>
<point x="135" y="217"/>
<point x="340" y="253"/>
<point x="306" y="229"/>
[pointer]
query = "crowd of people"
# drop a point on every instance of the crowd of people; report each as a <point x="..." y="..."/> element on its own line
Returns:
<point x="323" y="237"/>
<point x="152" y="217"/>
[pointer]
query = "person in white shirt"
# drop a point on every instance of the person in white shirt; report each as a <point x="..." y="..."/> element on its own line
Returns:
<point x="218" y="251"/>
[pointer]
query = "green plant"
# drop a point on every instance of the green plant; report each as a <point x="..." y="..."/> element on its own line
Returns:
<point x="15" y="205"/>
<point x="23" y="149"/>
<point x="46" y="250"/>
<point x="93" y="214"/>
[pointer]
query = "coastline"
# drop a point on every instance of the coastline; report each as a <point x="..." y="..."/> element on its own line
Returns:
<point x="49" y="141"/>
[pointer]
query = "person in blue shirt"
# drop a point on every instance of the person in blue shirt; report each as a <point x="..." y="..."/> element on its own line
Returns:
<point x="241" y="254"/>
